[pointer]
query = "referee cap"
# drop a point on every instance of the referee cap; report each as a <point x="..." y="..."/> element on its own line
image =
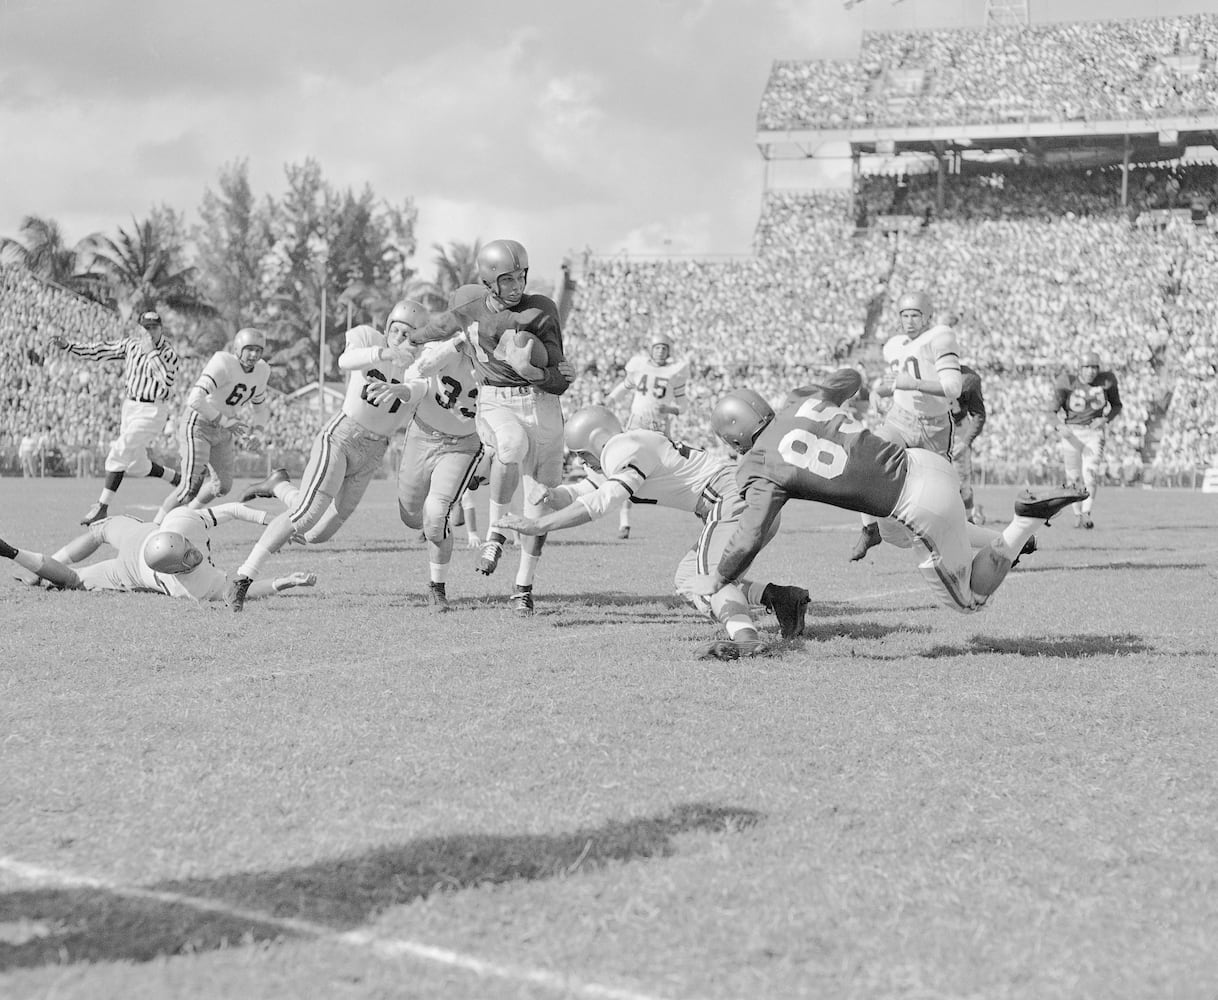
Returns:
<point x="149" y="318"/>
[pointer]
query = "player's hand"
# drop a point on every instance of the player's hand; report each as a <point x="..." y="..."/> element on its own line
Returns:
<point x="519" y="356"/>
<point x="566" y="370"/>
<point x="521" y="525"/>
<point x="299" y="580"/>
<point x="534" y="320"/>
<point x="400" y="354"/>
<point x="472" y="541"/>
<point x="297" y="538"/>
<point x="379" y="391"/>
<point x="59" y="340"/>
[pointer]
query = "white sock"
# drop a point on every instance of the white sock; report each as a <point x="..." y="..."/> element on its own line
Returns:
<point x="254" y="562"/>
<point x="439" y="572"/>
<point x="527" y="570"/>
<point x="1015" y="534"/>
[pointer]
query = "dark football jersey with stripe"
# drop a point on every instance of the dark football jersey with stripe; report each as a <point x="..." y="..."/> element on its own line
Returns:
<point x="1083" y="403"/>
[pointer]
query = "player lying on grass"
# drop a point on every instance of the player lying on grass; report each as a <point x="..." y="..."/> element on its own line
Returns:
<point x="646" y="467"/>
<point x="173" y="558"/>
<point x="816" y="450"/>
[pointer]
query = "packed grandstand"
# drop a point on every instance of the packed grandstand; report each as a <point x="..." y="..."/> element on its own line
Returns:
<point x="1034" y="260"/>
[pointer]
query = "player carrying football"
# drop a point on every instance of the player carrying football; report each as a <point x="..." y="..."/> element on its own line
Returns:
<point x="519" y="381"/>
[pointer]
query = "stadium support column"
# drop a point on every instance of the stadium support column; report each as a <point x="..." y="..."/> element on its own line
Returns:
<point x="1125" y="174"/>
<point x="941" y="181"/>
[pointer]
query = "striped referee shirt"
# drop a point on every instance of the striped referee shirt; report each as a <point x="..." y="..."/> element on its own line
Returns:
<point x="147" y="377"/>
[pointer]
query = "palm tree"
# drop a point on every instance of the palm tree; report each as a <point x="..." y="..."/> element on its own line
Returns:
<point x="456" y="266"/>
<point x="43" y="251"/>
<point x="146" y="268"/>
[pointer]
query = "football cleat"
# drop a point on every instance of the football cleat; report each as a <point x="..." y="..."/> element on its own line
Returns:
<point x="1087" y="522"/>
<point x="868" y="539"/>
<point x="236" y="592"/>
<point x="437" y="598"/>
<point x="7" y="551"/>
<point x="98" y="512"/>
<point x="790" y="605"/>
<point x="522" y="602"/>
<point x="977" y="516"/>
<point x="623" y="533"/>
<point x="266" y="487"/>
<point x="1028" y="548"/>
<point x="1046" y="505"/>
<point x="728" y="649"/>
<point x="488" y="557"/>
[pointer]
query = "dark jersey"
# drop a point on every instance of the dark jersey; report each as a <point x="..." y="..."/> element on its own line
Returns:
<point x="488" y="333"/>
<point x="812" y="450"/>
<point x="1083" y="403"/>
<point x="970" y="403"/>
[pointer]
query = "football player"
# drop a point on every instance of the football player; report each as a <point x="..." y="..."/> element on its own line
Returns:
<point x="172" y="559"/>
<point x="968" y="416"/>
<point x="519" y="415"/>
<point x="381" y="396"/>
<point x="815" y="449"/>
<point x="1085" y="403"/>
<point x="655" y="382"/>
<point x="441" y="455"/>
<point x="923" y="379"/>
<point x="211" y="423"/>
<point x="645" y="466"/>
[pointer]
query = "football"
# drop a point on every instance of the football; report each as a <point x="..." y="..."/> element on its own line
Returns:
<point x="537" y="354"/>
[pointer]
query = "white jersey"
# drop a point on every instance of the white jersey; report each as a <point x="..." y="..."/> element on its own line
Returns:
<point x="451" y="401"/>
<point x="654" y="470"/>
<point x="226" y="385"/>
<point x="921" y="358"/>
<point x="386" y="416"/>
<point x="655" y="385"/>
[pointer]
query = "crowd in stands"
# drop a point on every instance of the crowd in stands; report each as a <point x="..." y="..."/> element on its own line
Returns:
<point x="1095" y="71"/>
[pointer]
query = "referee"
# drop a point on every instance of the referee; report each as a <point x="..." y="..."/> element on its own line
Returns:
<point x="149" y="366"/>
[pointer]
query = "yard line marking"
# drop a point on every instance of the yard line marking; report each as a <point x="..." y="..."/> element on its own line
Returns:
<point x="387" y="947"/>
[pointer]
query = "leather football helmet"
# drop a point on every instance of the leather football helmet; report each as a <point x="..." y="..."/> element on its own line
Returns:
<point x="740" y="416"/>
<point x="660" y="348"/>
<point x="413" y="315"/>
<point x="588" y="431"/>
<point x="916" y="300"/>
<point x="1089" y="367"/>
<point x="170" y="552"/>
<point x="249" y="338"/>
<point x="502" y="257"/>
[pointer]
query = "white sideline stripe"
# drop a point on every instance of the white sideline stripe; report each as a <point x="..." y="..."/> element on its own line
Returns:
<point x="385" y="947"/>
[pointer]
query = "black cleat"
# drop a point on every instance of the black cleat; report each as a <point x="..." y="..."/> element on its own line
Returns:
<point x="7" y="551"/>
<point x="868" y="539"/>
<point x="235" y="593"/>
<point x="1028" y="548"/>
<point x="437" y="599"/>
<point x="265" y="488"/>
<point x="1046" y="505"/>
<point x="488" y="557"/>
<point x="98" y="512"/>
<point x="522" y="602"/>
<point x="1087" y="522"/>
<point x="623" y="533"/>
<point x="790" y="605"/>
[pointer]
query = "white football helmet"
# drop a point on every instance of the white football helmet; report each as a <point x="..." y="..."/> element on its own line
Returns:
<point x="170" y="552"/>
<point x="588" y="431"/>
<point x="249" y="345"/>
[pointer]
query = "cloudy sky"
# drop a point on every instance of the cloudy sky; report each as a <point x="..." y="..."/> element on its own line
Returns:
<point x="564" y="124"/>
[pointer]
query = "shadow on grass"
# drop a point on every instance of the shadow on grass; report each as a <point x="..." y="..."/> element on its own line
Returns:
<point x="826" y="631"/>
<point x="53" y="926"/>
<point x="1065" y="647"/>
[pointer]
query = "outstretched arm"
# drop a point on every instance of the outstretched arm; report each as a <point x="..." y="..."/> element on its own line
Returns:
<point x="765" y="503"/>
<point x="585" y="508"/>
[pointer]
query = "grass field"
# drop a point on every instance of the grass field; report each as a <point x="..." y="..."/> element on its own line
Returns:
<point x="338" y="795"/>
